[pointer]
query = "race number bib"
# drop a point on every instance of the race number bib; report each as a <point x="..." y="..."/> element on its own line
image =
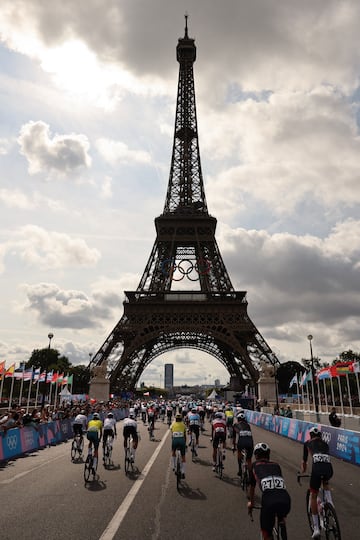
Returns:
<point x="321" y="458"/>
<point x="272" y="482"/>
<point x="219" y="430"/>
<point x="178" y="434"/>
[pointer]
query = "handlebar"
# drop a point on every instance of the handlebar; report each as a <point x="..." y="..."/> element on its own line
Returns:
<point x="300" y="475"/>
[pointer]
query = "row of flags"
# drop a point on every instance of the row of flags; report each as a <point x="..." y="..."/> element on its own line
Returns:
<point x="35" y="375"/>
<point x="338" y="370"/>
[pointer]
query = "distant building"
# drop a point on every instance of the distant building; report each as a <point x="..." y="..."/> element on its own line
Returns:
<point x="217" y="383"/>
<point x="169" y="376"/>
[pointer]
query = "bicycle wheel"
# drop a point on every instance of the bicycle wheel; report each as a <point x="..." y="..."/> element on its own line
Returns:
<point x="280" y="531"/>
<point x="107" y="454"/>
<point x="127" y="460"/>
<point x="219" y="463"/>
<point x="73" y="450"/>
<point x="331" y="522"/>
<point x="178" y="472"/>
<point x="88" y="468"/>
<point x="308" y="511"/>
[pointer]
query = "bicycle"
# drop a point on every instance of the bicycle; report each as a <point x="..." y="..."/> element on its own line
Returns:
<point x="77" y="447"/>
<point x="108" y="448"/>
<point x="129" y="459"/>
<point x="151" y="431"/>
<point x="178" y="468"/>
<point x="193" y="445"/>
<point x="244" y="478"/>
<point x="279" y="531"/>
<point x="328" y="520"/>
<point x="90" y="466"/>
<point x="219" y="465"/>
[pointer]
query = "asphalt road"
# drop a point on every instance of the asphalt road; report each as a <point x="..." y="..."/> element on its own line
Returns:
<point x="43" y="495"/>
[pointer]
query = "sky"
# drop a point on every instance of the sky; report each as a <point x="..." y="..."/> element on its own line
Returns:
<point x="87" y="110"/>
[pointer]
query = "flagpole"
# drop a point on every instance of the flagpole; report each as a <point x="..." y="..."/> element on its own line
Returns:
<point x="340" y="395"/>
<point x="29" y="392"/>
<point x="2" y="384"/>
<point x="357" y="384"/>
<point x="297" y="391"/>
<point x="326" y="401"/>
<point x="22" y="384"/>
<point x="11" y="391"/>
<point x="332" y="391"/>
<point x="37" y="389"/>
<point x="349" y="394"/>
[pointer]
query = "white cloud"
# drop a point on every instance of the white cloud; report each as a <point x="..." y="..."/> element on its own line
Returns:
<point x="46" y="250"/>
<point x="118" y="152"/>
<point x="62" y="153"/>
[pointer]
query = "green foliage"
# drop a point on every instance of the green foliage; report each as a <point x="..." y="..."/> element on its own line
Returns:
<point x="48" y="359"/>
<point x="285" y="373"/>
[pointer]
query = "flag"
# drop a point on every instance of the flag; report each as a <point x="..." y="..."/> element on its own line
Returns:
<point x="36" y="375"/>
<point x="60" y="377"/>
<point x="42" y="376"/>
<point x="2" y="366"/>
<point x="27" y="374"/>
<point x="293" y="380"/>
<point x="19" y="372"/>
<point x="324" y="373"/>
<point x="356" y="367"/>
<point x="68" y="379"/>
<point x="49" y="376"/>
<point x="54" y="377"/>
<point x="10" y="371"/>
<point x="342" y="368"/>
<point x="146" y="393"/>
<point x="306" y="377"/>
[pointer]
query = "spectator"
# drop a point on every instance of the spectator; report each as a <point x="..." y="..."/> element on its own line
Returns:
<point x="288" y="412"/>
<point x="12" y="421"/>
<point x="334" y="419"/>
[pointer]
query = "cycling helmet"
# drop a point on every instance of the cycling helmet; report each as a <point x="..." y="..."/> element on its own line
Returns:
<point x="82" y="412"/>
<point x="131" y="415"/>
<point x="194" y="409"/>
<point x="261" y="449"/>
<point x="110" y="415"/>
<point x="96" y="416"/>
<point x="219" y="415"/>
<point x="314" y="432"/>
<point x="241" y="416"/>
<point x="178" y="416"/>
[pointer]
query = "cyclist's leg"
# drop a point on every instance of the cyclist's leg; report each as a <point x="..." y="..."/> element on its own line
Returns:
<point x="183" y="457"/>
<point x="315" y="483"/>
<point x="215" y="447"/>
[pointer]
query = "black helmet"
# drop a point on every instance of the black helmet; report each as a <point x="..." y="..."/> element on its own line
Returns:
<point x="261" y="450"/>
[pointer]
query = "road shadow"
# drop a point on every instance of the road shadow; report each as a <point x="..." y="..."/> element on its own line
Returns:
<point x="188" y="492"/>
<point x="95" y="485"/>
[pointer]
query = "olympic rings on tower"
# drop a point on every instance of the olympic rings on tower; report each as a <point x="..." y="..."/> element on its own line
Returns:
<point x="185" y="268"/>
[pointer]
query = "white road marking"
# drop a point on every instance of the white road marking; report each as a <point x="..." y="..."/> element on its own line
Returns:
<point x="20" y="475"/>
<point x="115" y="523"/>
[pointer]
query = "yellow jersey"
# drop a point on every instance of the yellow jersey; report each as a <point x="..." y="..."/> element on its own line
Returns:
<point x="178" y="429"/>
<point x="95" y="425"/>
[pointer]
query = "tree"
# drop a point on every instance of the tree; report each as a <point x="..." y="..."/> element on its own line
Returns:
<point x="48" y="359"/>
<point x="284" y="373"/>
<point x="81" y="379"/>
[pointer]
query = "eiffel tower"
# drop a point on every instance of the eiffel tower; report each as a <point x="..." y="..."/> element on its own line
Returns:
<point x="185" y="297"/>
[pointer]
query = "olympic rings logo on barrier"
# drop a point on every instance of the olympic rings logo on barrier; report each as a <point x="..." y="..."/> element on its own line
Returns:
<point x="11" y="441"/>
<point x="326" y="436"/>
<point x="185" y="268"/>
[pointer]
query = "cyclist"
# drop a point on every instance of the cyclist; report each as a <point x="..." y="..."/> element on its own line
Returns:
<point x="321" y="471"/>
<point x="94" y="434"/>
<point x="218" y="434"/>
<point x="169" y="413"/>
<point x="109" y="429"/>
<point x="275" y="500"/>
<point x="79" y="425"/>
<point x="242" y="431"/>
<point x="151" y="417"/>
<point x="130" y="428"/>
<point x="178" y="440"/>
<point x="229" y="415"/>
<point x="193" y="423"/>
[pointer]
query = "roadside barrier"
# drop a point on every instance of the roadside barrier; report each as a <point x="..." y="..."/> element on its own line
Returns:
<point x="343" y="443"/>
<point x="18" y="441"/>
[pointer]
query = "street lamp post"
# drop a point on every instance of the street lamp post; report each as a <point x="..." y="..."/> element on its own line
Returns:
<point x="310" y="338"/>
<point x="50" y="336"/>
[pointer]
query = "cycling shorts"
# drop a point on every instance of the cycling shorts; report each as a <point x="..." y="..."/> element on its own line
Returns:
<point x="249" y="449"/>
<point x="195" y="429"/>
<point x="179" y="442"/>
<point x="273" y="503"/>
<point x="320" y="472"/>
<point x="219" y="437"/>
<point x="130" y="430"/>
<point x="78" y="429"/>
<point x="93" y="436"/>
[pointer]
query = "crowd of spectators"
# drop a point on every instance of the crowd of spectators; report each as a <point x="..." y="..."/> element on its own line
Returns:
<point x="19" y="417"/>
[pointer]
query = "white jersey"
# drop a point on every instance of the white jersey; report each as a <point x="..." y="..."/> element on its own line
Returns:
<point x="109" y="423"/>
<point x="130" y="422"/>
<point x="81" y="419"/>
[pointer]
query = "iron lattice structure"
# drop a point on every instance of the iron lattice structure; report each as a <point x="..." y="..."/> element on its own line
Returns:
<point x="185" y="297"/>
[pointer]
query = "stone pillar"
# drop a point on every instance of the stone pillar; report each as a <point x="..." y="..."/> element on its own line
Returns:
<point x="266" y="383"/>
<point x="99" y="384"/>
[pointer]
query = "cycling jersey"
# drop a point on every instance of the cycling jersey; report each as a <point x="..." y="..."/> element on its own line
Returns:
<point x="178" y="433"/>
<point x="95" y="426"/>
<point x="321" y="464"/>
<point x="193" y="419"/>
<point x="242" y="431"/>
